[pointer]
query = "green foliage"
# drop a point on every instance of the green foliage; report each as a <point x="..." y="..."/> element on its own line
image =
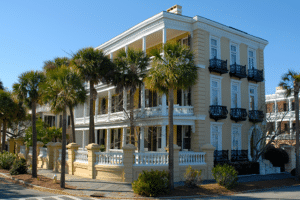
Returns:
<point x="225" y="175"/>
<point x="6" y="160"/>
<point x="192" y="177"/>
<point x="277" y="156"/>
<point x="19" y="167"/>
<point x="151" y="184"/>
<point x="102" y="148"/>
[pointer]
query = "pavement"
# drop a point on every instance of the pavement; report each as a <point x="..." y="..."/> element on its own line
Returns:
<point x="87" y="187"/>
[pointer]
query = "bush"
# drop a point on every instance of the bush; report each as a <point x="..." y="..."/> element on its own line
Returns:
<point x="19" y="167"/>
<point x="246" y="167"/>
<point x="102" y="148"/>
<point x="151" y="183"/>
<point x="6" y="160"/>
<point x="277" y="156"/>
<point x="225" y="175"/>
<point x="192" y="177"/>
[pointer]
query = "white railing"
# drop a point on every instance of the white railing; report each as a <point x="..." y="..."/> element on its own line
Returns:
<point x="102" y="118"/>
<point x="59" y="155"/>
<point x="116" y="150"/>
<point x="23" y="150"/>
<point x="191" y="158"/>
<point x="30" y="151"/>
<point x="44" y="108"/>
<point x="151" y="159"/>
<point x="116" y="116"/>
<point x="183" y="110"/>
<point x="103" y="158"/>
<point x="81" y="156"/>
<point x="152" y="111"/>
<point x="43" y="152"/>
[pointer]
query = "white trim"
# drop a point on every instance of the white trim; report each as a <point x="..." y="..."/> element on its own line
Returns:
<point x="218" y="46"/>
<point x="218" y="79"/>
<point x="239" y="128"/>
<point x="238" y="84"/>
<point x="219" y="125"/>
<point x="200" y="66"/>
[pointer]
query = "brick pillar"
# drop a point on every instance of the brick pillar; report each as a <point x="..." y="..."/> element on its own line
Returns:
<point x="50" y="154"/>
<point x="72" y="147"/>
<point x="209" y="158"/>
<point x="128" y="161"/>
<point x="11" y="145"/>
<point x="19" y="143"/>
<point x="92" y="148"/>
<point x="292" y="158"/>
<point x="176" y="161"/>
<point x="56" y="147"/>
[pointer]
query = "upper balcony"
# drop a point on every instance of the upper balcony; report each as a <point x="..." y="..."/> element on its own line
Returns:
<point x="255" y="75"/>
<point x="217" y="112"/>
<point x="238" y="71"/>
<point x="238" y="114"/>
<point x="218" y="65"/>
<point x="256" y="116"/>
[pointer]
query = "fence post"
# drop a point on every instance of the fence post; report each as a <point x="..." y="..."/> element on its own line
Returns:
<point x="50" y="154"/>
<point x="128" y="161"/>
<point x="176" y="161"/>
<point x="72" y="147"/>
<point x="11" y="143"/>
<point x="92" y="148"/>
<point x="56" y="147"/>
<point x="209" y="158"/>
<point x="19" y="142"/>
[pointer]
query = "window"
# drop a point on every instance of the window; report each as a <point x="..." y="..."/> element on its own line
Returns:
<point x="236" y="137"/>
<point x="185" y="41"/>
<point x="101" y="136"/>
<point x="102" y="107"/>
<point x="184" y="137"/>
<point x="215" y="90"/>
<point x="184" y="97"/>
<point x="69" y="121"/>
<point x="253" y="97"/>
<point x="285" y="107"/>
<point x="251" y="59"/>
<point x="116" y="138"/>
<point x="117" y="103"/>
<point x="214" y="48"/>
<point x="293" y="106"/>
<point x="234" y="58"/>
<point x="50" y="120"/>
<point x="216" y="135"/>
<point x="235" y="94"/>
<point x="152" y="138"/>
<point x="152" y="99"/>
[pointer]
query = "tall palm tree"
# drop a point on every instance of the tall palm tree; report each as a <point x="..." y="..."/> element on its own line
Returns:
<point x="130" y="74"/>
<point x="76" y="96"/>
<point x="290" y="81"/>
<point x="59" y="91"/>
<point x="28" y="90"/>
<point x="1" y="85"/>
<point x="172" y="71"/>
<point x="94" y="67"/>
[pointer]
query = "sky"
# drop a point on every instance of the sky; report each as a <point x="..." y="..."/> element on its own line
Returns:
<point x="35" y="31"/>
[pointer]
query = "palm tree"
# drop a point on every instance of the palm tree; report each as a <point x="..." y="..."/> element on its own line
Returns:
<point x="130" y="74"/>
<point x="290" y="81"/>
<point x="76" y="96"/>
<point x="94" y="67"/>
<point x="28" y="90"/>
<point x="172" y="71"/>
<point x="59" y="90"/>
<point x="1" y="85"/>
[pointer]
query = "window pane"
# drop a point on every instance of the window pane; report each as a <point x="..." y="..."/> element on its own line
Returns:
<point x="213" y="42"/>
<point x="233" y="48"/>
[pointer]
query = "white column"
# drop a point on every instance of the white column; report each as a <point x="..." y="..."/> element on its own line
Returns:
<point x="163" y="137"/>
<point x="142" y="137"/>
<point x="126" y="49"/>
<point x="109" y="104"/>
<point x="164" y="34"/>
<point x="84" y="112"/>
<point x="111" y="56"/>
<point x="164" y="105"/>
<point x="74" y="117"/>
<point x="275" y="105"/>
<point x="83" y="139"/>
<point x="96" y="136"/>
<point x="291" y="126"/>
<point x="108" y="140"/>
<point x="124" y="136"/>
<point x="144" y="44"/>
<point x="143" y="99"/>
<point x="290" y="105"/>
<point x="96" y="108"/>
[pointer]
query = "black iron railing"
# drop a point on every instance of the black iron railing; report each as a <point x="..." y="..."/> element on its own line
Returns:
<point x="255" y="75"/>
<point x="218" y="65"/>
<point x="256" y="116"/>
<point x="239" y="155"/>
<point x="218" y="112"/>
<point x="238" y="71"/>
<point x="220" y="157"/>
<point x="238" y="114"/>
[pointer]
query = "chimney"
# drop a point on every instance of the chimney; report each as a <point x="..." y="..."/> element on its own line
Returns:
<point x="177" y="9"/>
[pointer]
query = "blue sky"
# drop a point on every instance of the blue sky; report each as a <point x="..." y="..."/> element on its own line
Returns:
<point x="32" y="32"/>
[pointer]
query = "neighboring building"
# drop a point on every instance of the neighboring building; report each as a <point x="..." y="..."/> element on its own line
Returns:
<point x="281" y="116"/>
<point x="219" y="109"/>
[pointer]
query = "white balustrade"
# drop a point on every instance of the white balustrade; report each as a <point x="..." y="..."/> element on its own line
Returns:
<point x="183" y="110"/>
<point x="59" y="155"/>
<point x="43" y="152"/>
<point x="102" y="118"/>
<point x="81" y="156"/>
<point x="79" y="120"/>
<point x="151" y="159"/>
<point x="103" y="158"/>
<point x="116" y="116"/>
<point x="191" y="158"/>
<point x="152" y="111"/>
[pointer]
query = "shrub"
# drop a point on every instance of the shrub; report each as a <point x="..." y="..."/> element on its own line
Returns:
<point x="225" y="175"/>
<point x="246" y="167"/>
<point x="6" y="160"/>
<point x="192" y="177"/>
<point x="19" y="167"/>
<point x="102" y="148"/>
<point x="277" y="156"/>
<point x="151" y="183"/>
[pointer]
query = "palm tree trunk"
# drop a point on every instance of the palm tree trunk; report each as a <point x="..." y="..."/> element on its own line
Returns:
<point x="3" y="135"/>
<point x="171" y="150"/>
<point x="63" y="150"/>
<point x="91" y="125"/>
<point x="296" y="97"/>
<point x="131" y="105"/>
<point x="73" y="124"/>
<point x="34" y="141"/>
